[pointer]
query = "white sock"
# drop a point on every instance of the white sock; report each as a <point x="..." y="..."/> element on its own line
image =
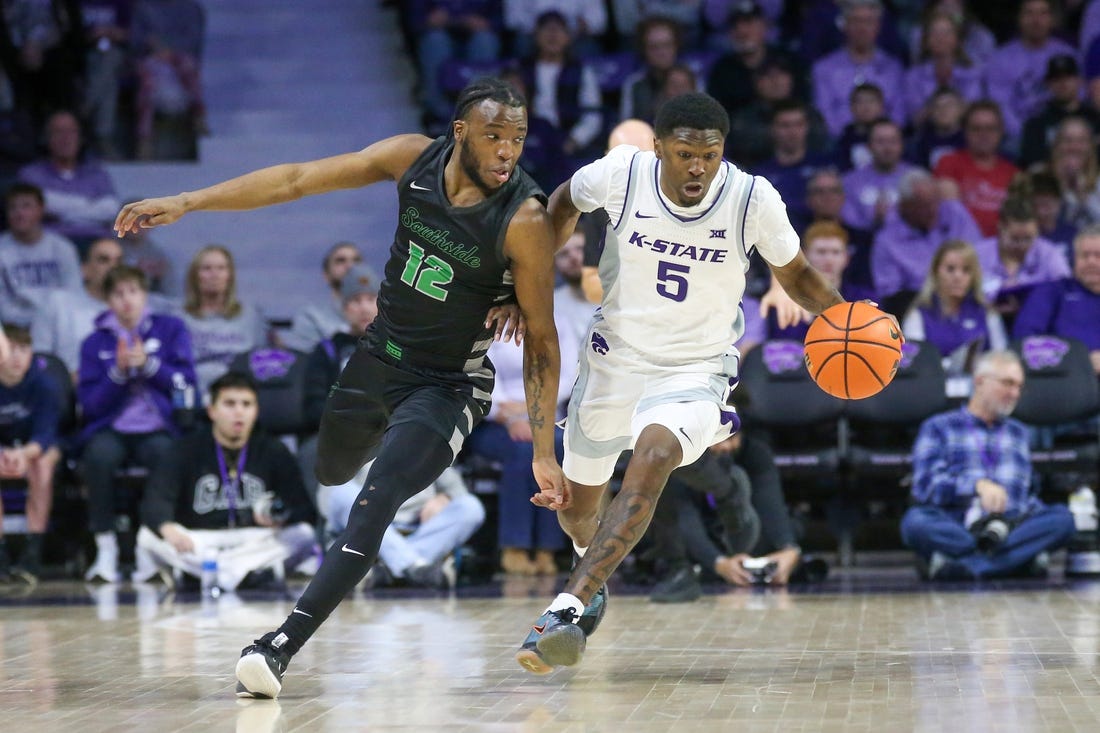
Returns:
<point x="566" y="600"/>
<point x="579" y="550"/>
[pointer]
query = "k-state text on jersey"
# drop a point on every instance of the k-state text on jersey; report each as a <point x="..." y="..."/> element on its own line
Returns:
<point x="677" y="249"/>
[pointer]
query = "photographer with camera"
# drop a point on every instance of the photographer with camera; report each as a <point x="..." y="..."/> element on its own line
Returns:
<point x="229" y="493"/>
<point x="974" y="515"/>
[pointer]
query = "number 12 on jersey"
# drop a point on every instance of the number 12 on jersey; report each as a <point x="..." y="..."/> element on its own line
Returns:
<point x="671" y="282"/>
<point x="428" y="274"/>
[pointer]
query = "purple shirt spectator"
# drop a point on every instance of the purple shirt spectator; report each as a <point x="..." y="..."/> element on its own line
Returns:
<point x="972" y="324"/>
<point x="1063" y="308"/>
<point x="1014" y="79"/>
<point x="864" y="188"/>
<point x="901" y="253"/>
<point x="836" y="74"/>
<point x="921" y="83"/>
<point x="790" y="181"/>
<point x="111" y="398"/>
<point x="1044" y="262"/>
<point x="81" y="203"/>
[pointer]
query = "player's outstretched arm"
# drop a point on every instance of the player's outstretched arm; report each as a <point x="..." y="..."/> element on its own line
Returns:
<point x="384" y="160"/>
<point x="530" y="248"/>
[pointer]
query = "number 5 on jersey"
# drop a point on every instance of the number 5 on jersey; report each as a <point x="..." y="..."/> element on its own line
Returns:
<point x="427" y="275"/>
<point x="671" y="282"/>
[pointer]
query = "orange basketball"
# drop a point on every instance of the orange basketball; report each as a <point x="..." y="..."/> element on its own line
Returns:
<point x="853" y="350"/>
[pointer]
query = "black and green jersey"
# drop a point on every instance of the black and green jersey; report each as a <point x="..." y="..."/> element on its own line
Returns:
<point x="446" y="269"/>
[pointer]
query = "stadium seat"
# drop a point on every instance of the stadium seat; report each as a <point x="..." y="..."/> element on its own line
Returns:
<point x="280" y="375"/>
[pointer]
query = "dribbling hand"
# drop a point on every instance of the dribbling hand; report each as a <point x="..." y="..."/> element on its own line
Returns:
<point x="553" y="491"/>
<point x="148" y="213"/>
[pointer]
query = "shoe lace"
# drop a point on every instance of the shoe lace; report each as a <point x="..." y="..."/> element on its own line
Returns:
<point x="567" y="615"/>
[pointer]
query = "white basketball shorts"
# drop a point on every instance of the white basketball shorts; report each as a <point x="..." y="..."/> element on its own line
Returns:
<point x="620" y="391"/>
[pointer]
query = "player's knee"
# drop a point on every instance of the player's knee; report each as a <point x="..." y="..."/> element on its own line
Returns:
<point x="657" y="458"/>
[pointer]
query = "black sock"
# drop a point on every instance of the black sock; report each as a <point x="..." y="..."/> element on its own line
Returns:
<point x="396" y="474"/>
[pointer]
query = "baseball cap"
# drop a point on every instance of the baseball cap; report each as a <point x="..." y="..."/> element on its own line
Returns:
<point x="360" y="279"/>
<point x="744" y="10"/>
<point x="1060" y="66"/>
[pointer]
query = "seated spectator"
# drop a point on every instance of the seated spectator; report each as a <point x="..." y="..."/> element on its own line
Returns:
<point x="978" y="175"/>
<point x="67" y="317"/>
<point x="572" y="311"/>
<point x="228" y="491"/>
<point x="315" y="323"/>
<point x="359" y="293"/>
<point x="950" y="312"/>
<point x="1064" y="84"/>
<point x="1046" y="199"/>
<point x="825" y="244"/>
<point x="451" y="29"/>
<point x="505" y="437"/>
<point x="1073" y="162"/>
<point x="220" y="325"/>
<point x="428" y="527"/>
<point x="750" y="141"/>
<point x="167" y="36"/>
<point x="941" y="132"/>
<point x="564" y="92"/>
<point x="81" y="202"/>
<point x="978" y="42"/>
<point x="794" y="162"/>
<point x="1069" y="308"/>
<point x="868" y="106"/>
<point x="1014" y="73"/>
<point x="129" y="367"/>
<point x="914" y="229"/>
<point x="732" y="75"/>
<point x="28" y="446"/>
<point x="587" y="22"/>
<point x="1017" y="259"/>
<point x="107" y="31"/>
<point x="776" y="539"/>
<point x="659" y="42"/>
<point x="973" y="464"/>
<point x="33" y="261"/>
<point x="872" y="190"/>
<point x="858" y="60"/>
<point x="825" y="198"/>
<point x="942" y="62"/>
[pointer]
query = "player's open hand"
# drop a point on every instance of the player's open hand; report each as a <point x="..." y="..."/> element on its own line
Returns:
<point x="891" y="316"/>
<point x="553" y="492"/>
<point x="508" y="321"/>
<point x="148" y="213"/>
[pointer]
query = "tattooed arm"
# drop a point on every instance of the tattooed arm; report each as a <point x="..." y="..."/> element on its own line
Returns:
<point x="529" y="246"/>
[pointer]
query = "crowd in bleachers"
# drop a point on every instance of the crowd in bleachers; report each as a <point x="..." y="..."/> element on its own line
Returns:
<point x="939" y="158"/>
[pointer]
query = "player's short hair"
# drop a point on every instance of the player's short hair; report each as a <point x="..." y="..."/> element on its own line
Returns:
<point x="695" y="111"/>
<point x="122" y="274"/>
<point x="233" y="380"/>
<point x="487" y="87"/>
<point x="17" y="334"/>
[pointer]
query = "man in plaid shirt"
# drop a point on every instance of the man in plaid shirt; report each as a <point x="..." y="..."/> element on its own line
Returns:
<point x="973" y="462"/>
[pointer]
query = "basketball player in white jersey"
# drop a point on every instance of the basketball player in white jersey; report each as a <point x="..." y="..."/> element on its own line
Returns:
<point x="657" y="365"/>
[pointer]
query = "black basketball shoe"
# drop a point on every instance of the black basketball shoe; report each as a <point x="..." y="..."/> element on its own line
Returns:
<point x="261" y="666"/>
<point x="596" y="608"/>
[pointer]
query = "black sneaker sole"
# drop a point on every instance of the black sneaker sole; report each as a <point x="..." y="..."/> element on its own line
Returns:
<point x="563" y="646"/>
<point x="255" y="678"/>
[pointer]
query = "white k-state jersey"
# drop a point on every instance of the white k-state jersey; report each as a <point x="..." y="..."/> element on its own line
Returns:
<point x="673" y="276"/>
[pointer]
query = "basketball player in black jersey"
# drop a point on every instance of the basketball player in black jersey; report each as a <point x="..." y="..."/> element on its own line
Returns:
<point x="472" y="228"/>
